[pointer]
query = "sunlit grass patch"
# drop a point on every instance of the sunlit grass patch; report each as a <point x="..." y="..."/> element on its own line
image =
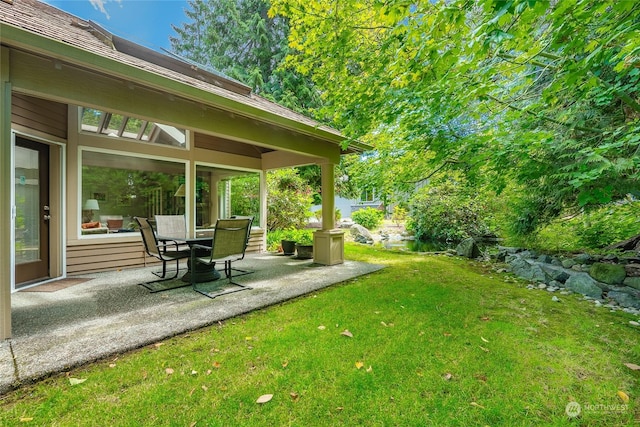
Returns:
<point x="429" y="340"/>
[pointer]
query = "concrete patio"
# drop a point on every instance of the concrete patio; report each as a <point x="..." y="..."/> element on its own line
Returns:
<point x="111" y="314"/>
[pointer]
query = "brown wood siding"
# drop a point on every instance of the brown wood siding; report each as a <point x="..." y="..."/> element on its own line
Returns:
<point x="48" y="117"/>
<point x="105" y="256"/>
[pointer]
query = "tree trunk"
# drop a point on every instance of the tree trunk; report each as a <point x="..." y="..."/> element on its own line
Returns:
<point x="632" y="244"/>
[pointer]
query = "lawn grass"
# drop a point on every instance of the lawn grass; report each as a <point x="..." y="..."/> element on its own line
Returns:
<point x="436" y="341"/>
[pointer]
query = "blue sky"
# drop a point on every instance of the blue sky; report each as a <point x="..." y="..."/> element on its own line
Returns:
<point x="146" y="22"/>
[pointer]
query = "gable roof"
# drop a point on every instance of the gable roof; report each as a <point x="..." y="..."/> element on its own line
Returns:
<point x="21" y="17"/>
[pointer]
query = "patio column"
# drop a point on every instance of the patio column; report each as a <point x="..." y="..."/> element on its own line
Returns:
<point x="6" y="208"/>
<point x="328" y="243"/>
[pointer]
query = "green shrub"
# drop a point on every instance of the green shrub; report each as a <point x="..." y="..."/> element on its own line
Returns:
<point x="446" y="212"/>
<point x="369" y="218"/>
<point x="602" y="227"/>
<point x="289" y="200"/>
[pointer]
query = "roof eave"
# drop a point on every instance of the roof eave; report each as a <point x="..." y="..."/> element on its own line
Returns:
<point x="19" y="38"/>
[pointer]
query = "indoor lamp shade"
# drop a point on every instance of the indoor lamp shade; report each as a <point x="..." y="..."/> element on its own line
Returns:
<point x="91" y="205"/>
<point x="180" y="192"/>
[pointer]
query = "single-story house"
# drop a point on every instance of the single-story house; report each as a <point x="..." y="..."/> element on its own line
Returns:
<point x="95" y="130"/>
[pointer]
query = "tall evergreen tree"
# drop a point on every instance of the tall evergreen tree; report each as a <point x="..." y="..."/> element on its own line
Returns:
<point x="239" y="39"/>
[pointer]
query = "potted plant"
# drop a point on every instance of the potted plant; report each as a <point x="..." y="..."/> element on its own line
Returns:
<point x="288" y="241"/>
<point x="304" y="244"/>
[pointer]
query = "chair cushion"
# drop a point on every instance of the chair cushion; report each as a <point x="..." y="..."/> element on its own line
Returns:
<point x="86" y="225"/>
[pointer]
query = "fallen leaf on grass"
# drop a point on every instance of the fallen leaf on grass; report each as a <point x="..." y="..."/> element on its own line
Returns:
<point x="205" y="388"/>
<point x="216" y="365"/>
<point x="477" y="405"/>
<point x="447" y="376"/>
<point x="322" y="327"/>
<point x="359" y="365"/>
<point x="76" y="381"/>
<point x="481" y="377"/>
<point x="158" y="344"/>
<point x="369" y="369"/>
<point x="486" y="350"/>
<point x="264" y="398"/>
<point x="294" y="396"/>
<point x="484" y="339"/>
<point x="346" y="333"/>
<point x="285" y="363"/>
<point x="447" y="334"/>
<point x="485" y="318"/>
<point x="632" y="366"/>
<point x="26" y="419"/>
<point x="169" y="371"/>
<point x="112" y="365"/>
<point x="383" y="324"/>
<point x="623" y="396"/>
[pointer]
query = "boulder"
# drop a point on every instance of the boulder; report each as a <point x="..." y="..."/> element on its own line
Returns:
<point x="624" y="299"/>
<point x="556" y="273"/>
<point x="529" y="270"/>
<point x="633" y="282"/>
<point x="611" y="274"/>
<point x="632" y="270"/>
<point x="468" y="248"/>
<point x="361" y="234"/>
<point x="545" y="259"/>
<point x="583" y="259"/>
<point x="568" y="263"/>
<point x="583" y="284"/>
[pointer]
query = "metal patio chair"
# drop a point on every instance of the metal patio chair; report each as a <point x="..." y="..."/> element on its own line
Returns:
<point x="228" y="245"/>
<point x="166" y="251"/>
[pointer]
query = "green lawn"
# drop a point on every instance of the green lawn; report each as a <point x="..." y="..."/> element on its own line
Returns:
<point x="436" y="341"/>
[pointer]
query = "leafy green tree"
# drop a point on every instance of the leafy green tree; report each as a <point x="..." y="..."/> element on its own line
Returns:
<point x="290" y="199"/>
<point x="239" y="39"/>
<point x="535" y="94"/>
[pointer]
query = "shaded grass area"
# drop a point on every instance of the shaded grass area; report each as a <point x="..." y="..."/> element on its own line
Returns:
<point x="435" y="341"/>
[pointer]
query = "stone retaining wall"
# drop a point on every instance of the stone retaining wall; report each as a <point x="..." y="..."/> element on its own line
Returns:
<point x="606" y="279"/>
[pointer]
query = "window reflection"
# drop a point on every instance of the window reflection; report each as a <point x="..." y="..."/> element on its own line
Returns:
<point x="125" y="187"/>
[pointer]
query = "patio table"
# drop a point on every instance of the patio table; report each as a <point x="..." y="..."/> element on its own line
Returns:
<point x="203" y="272"/>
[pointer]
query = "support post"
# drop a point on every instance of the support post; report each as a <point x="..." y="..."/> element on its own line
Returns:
<point x="328" y="243"/>
<point x="6" y="206"/>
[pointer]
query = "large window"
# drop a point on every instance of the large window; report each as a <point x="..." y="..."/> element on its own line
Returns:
<point x="222" y="193"/>
<point x="116" y="188"/>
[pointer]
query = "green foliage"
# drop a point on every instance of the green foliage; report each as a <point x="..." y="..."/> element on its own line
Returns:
<point x="275" y="237"/>
<point x="446" y="211"/>
<point x="245" y="196"/>
<point x="591" y="231"/>
<point x="289" y="200"/>
<point x="399" y="215"/>
<point x="538" y="94"/>
<point x="304" y="237"/>
<point x="239" y="39"/>
<point x="369" y="218"/>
